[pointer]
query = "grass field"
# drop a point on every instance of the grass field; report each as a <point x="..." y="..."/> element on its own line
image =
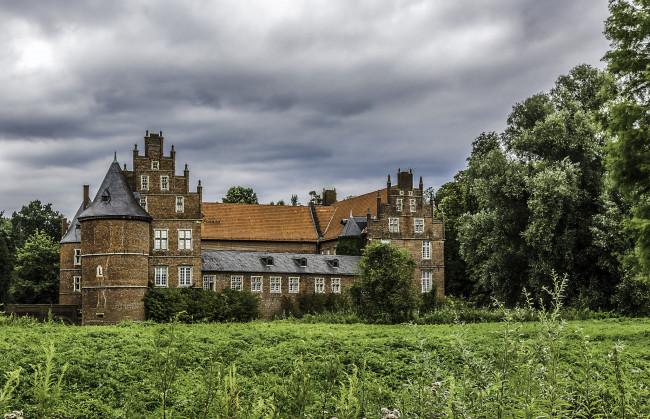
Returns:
<point x="597" y="368"/>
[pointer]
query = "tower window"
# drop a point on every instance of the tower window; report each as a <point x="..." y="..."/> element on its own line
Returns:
<point x="77" y="256"/>
<point x="100" y="271"/>
<point x="426" y="250"/>
<point x="418" y="225"/>
<point x="76" y="283"/>
<point x="179" y="204"/>
<point x="144" y="182"/>
<point x="164" y="183"/>
<point x="393" y="225"/>
<point x="160" y="239"/>
<point x="184" y="239"/>
<point x="143" y="202"/>
<point x="154" y="165"/>
<point x="398" y="202"/>
<point x="412" y="204"/>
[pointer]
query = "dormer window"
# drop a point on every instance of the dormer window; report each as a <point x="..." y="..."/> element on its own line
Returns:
<point x="106" y="195"/>
<point x="154" y="165"/>
<point x="302" y="262"/>
<point x="267" y="260"/>
<point x="333" y="263"/>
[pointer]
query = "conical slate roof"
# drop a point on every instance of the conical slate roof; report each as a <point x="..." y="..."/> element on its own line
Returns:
<point x="73" y="234"/>
<point x="114" y="199"/>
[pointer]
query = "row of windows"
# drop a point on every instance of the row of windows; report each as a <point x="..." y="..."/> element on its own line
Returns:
<point x="164" y="183"/>
<point x="275" y="284"/>
<point x="400" y="204"/>
<point x="418" y="225"/>
<point x="184" y="276"/>
<point x="426" y="248"/>
<point x="180" y="203"/>
<point x="161" y="240"/>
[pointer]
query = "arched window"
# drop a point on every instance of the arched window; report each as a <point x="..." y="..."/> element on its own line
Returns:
<point x="100" y="271"/>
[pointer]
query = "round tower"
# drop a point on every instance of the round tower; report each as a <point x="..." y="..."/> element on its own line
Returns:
<point x="114" y="253"/>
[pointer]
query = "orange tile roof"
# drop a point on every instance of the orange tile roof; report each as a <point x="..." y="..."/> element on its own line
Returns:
<point x="261" y="222"/>
<point x="358" y="205"/>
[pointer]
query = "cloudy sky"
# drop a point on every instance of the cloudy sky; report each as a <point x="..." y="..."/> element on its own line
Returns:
<point x="281" y="96"/>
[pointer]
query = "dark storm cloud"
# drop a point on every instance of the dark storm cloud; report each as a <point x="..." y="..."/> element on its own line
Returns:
<point x="285" y="97"/>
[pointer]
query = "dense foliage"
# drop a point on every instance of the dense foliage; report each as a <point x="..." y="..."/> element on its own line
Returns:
<point x="194" y="305"/>
<point x="37" y="269"/>
<point x="384" y="291"/>
<point x="240" y="195"/>
<point x="289" y="370"/>
<point x="350" y="245"/>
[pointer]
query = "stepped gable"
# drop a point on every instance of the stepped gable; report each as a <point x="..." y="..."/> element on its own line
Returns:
<point x="358" y="206"/>
<point x="283" y="263"/>
<point x="261" y="222"/>
<point x="114" y="199"/>
<point x="73" y="234"/>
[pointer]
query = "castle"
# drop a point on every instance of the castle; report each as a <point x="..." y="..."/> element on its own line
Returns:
<point x="144" y="227"/>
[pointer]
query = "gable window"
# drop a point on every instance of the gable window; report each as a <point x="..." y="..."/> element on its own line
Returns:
<point x="399" y="204"/>
<point x="412" y="205"/>
<point x="76" y="283"/>
<point x="256" y="284"/>
<point x="160" y="239"/>
<point x="319" y="285"/>
<point x="77" y="256"/>
<point x="184" y="239"/>
<point x="180" y="206"/>
<point x="236" y="282"/>
<point x="154" y="165"/>
<point x="426" y="250"/>
<point x="275" y="285"/>
<point x="164" y="183"/>
<point x="393" y="225"/>
<point x="294" y="285"/>
<point x="209" y="282"/>
<point x="160" y="276"/>
<point x="426" y="281"/>
<point x="336" y="285"/>
<point x="143" y="202"/>
<point x="144" y="182"/>
<point x="418" y="225"/>
<point x="184" y="276"/>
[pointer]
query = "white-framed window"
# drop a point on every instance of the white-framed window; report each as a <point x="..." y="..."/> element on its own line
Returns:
<point x="385" y="241"/>
<point x="412" y="205"/>
<point x="164" y="183"/>
<point x="418" y="225"/>
<point x="155" y="165"/>
<point x="76" y="283"/>
<point x="144" y="182"/>
<point x="294" y="284"/>
<point x="77" y="256"/>
<point x="160" y="240"/>
<point x="410" y="193"/>
<point x="393" y="225"/>
<point x="256" y="284"/>
<point x="426" y="250"/>
<point x="160" y="276"/>
<point x="319" y="285"/>
<point x="237" y="282"/>
<point x="180" y="205"/>
<point x="100" y="271"/>
<point x="209" y="282"/>
<point x="184" y="276"/>
<point x="275" y="284"/>
<point x="184" y="239"/>
<point x="336" y="285"/>
<point x="398" y="202"/>
<point x="143" y="202"/>
<point x="426" y="281"/>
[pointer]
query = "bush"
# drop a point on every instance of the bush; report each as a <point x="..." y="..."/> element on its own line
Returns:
<point x="194" y="305"/>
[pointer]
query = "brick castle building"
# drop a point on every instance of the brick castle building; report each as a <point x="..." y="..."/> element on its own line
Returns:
<point x="144" y="227"/>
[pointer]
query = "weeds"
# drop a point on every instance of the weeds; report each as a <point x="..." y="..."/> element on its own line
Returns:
<point x="47" y="388"/>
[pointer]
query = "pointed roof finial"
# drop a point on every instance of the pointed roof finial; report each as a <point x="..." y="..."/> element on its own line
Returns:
<point x="115" y="157"/>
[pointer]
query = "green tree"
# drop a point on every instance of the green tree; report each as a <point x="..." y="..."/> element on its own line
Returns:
<point x="628" y="29"/>
<point x="315" y="198"/>
<point x="32" y="217"/>
<point x="384" y="291"/>
<point x="6" y="258"/>
<point x="350" y="245"/>
<point x="37" y="271"/>
<point x="240" y="195"/>
<point x="294" y="200"/>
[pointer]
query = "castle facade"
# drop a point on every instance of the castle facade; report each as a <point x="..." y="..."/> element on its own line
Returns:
<point x="144" y="227"/>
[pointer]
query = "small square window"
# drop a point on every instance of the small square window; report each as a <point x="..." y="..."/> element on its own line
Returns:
<point x="319" y="285"/>
<point x="294" y="285"/>
<point x="275" y="284"/>
<point x="154" y="165"/>
<point x="236" y="282"/>
<point x="209" y="282"/>
<point x="160" y="276"/>
<point x="256" y="284"/>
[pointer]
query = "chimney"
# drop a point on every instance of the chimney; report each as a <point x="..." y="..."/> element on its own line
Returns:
<point x="64" y="226"/>
<point x="135" y="152"/>
<point x="405" y="180"/>
<point x="368" y="216"/>
<point x="199" y="190"/>
<point x="387" y="191"/>
<point x="329" y="197"/>
<point x="86" y="197"/>
<point x="421" y="185"/>
<point x="379" y="202"/>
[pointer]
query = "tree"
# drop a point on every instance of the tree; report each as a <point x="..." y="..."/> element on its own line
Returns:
<point x="294" y="200"/>
<point x="6" y="258"/>
<point x="315" y="198"/>
<point x="350" y="245"/>
<point x="628" y="29"/>
<point x="37" y="271"/>
<point x="240" y="195"/>
<point x="384" y="291"/>
<point x="32" y="217"/>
